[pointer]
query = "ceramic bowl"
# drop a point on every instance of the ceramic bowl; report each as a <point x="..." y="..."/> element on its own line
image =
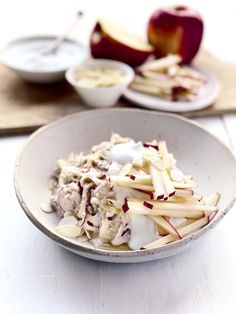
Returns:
<point x="101" y="96"/>
<point x="25" y="57"/>
<point x="198" y="153"/>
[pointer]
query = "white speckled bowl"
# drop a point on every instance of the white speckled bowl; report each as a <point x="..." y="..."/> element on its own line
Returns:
<point x="198" y="152"/>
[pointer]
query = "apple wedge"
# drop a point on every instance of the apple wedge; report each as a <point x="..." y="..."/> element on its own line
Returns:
<point x="110" y="41"/>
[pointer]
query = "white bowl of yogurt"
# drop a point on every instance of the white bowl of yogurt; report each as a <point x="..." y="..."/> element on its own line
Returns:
<point x="26" y="57"/>
<point x="100" y="82"/>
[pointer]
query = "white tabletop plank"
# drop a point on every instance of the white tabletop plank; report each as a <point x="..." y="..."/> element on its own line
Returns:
<point x="216" y="126"/>
<point x="230" y="127"/>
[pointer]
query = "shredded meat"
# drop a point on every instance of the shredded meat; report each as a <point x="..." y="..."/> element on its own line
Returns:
<point x="80" y="187"/>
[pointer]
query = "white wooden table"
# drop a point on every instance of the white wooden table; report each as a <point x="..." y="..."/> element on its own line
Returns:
<point x="39" y="277"/>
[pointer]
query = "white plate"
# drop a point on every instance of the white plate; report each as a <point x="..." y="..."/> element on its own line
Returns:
<point x="192" y="146"/>
<point x="206" y="97"/>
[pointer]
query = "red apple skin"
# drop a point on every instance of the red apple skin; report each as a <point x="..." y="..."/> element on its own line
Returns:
<point x="176" y="30"/>
<point x="105" y="47"/>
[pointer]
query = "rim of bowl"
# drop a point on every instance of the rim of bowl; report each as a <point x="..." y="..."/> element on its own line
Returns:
<point x="129" y="74"/>
<point x="39" y="37"/>
<point x="117" y="253"/>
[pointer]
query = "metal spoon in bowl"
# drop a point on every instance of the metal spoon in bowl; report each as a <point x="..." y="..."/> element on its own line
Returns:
<point x="59" y="40"/>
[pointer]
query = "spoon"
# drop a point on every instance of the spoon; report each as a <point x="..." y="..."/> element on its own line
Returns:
<point x="59" y="40"/>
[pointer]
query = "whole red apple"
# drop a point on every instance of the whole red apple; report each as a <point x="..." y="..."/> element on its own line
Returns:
<point x="110" y="41"/>
<point x="176" y="30"/>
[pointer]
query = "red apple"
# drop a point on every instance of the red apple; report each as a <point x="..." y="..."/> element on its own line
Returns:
<point x="176" y="30"/>
<point x="110" y="41"/>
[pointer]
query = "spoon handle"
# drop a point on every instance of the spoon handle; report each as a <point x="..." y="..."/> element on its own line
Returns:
<point x="59" y="40"/>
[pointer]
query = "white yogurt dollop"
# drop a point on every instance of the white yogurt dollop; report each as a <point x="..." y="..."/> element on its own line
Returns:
<point x="114" y="168"/>
<point x="143" y="231"/>
<point x="126" y="152"/>
<point x="121" y="154"/>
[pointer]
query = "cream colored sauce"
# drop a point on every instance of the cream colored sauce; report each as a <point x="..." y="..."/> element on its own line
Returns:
<point x="121" y="154"/>
<point x="143" y="231"/>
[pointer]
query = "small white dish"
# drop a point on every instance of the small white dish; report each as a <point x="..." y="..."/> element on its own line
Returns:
<point x="25" y="57"/>
<point x="101" y="96"/>
<point x="197" y="151"/>
<point x="208" y="93"/>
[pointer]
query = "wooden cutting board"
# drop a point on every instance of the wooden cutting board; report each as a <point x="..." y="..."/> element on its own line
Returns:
<point x="24" y="107"/>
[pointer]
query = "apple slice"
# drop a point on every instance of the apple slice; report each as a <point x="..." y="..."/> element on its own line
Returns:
<point x="151" y="156"/>
<point x="184" y="193"/>
<point x="213" y="199"/>
<point x="158" y="184"/>
<point x="162" y="148"/>
<point x="182" y="186"/>
<point x="161" y="231"/>
<point x="139" y="179"/>
<point x="139" y="209"/>
<point x="125" y="169"/>
<point x="176" y="175"/>
<point x="176" y="206"/>
<point x="109" y="40"/>
<point x="161" y="64"/>
<point x="146" y="180"/>
<point x="166" y="225"/>
<point x="186" y="200"/>
<point x="168" y="184"/>
<point x="183" y="231"/>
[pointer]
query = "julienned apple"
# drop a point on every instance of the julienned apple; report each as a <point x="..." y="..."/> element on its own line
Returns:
<point x="176" y="30"/>
<point x="108" y="40"/>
